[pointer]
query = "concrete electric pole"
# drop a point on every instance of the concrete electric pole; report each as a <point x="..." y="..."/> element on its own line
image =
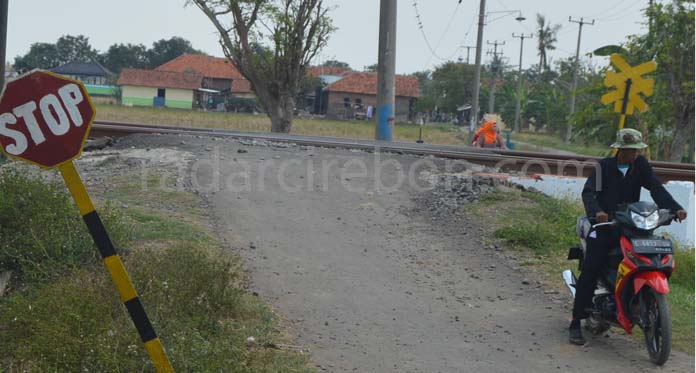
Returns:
<point x="467" y="52"/>
<point x="386" y="64"/>
<point x="3" y="39"/>
<point x="519" y="81"/>
<point x="495" y="65"/>
<point x="569" y="128"/>
<point x="477" y="71"/>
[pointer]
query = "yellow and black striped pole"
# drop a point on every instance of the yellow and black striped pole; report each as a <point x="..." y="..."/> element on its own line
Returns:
<point x="113" y="263"/>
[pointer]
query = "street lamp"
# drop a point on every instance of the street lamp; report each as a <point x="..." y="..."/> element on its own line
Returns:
<point x="506" y="13"/>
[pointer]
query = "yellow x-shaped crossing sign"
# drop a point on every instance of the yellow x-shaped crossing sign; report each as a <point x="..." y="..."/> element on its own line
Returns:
<point x="629" y="85"/>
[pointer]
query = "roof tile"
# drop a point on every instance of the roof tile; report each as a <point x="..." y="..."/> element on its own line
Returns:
<point x="209" y="67"/>
<point x="160" y="79"/>
<point x="366" y="83"/>
<point x="316" y="71"/>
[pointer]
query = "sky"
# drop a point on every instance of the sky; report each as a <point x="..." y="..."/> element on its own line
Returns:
<point x="446" y="26"/>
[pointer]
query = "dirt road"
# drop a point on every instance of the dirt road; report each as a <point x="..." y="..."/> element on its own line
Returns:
<point x="369" y="282"/>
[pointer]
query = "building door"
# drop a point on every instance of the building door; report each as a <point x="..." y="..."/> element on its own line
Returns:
<point x="159" y="101"/>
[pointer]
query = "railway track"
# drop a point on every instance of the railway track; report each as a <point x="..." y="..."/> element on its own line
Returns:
<point x="504" y="160"/>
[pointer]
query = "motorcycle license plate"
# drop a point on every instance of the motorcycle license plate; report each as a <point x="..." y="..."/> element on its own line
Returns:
<point x="652" y="246"/>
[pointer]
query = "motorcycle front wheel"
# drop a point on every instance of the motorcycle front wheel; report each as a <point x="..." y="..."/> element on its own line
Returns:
<point x="657" y="325"/>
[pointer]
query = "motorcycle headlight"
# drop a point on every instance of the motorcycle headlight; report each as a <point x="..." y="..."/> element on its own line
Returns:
<point x="647" y="223"/>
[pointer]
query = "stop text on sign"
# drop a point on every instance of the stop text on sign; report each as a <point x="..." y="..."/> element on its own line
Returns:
<point x="45" y="118"/>
<point x="54" y="111"/>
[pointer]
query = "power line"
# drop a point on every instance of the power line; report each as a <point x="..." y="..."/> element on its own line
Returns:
<point x="433" y="51"/>
<point x="618" y="12"/>
<point x="611" y="7"/>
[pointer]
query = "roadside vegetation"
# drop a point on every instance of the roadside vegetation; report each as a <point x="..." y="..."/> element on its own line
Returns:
<point x="542" y="229"/>
<point x="555" y="142"/>
<point x="61" y="312"/>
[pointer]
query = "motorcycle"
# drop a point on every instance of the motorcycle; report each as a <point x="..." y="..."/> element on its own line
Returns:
<point x="633" y="284"/>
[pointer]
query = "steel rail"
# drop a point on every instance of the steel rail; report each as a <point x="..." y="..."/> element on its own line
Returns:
<point x="504" y="160"/>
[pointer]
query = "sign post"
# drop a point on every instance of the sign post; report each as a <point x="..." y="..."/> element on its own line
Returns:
<point x="45" y="119"/>
<point x="629" y="85"/>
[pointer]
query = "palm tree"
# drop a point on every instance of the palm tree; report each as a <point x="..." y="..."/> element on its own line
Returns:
<point x="546" y="36"/>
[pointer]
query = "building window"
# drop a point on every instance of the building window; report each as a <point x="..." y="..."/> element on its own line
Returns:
<point x="160" y="92"/>
<point x="346" y="102"/>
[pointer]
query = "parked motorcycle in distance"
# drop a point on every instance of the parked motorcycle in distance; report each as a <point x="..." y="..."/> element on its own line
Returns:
<point x="633" y="284"/>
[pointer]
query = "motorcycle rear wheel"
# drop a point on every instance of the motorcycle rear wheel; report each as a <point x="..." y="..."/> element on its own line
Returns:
<point x="657" y="325"/>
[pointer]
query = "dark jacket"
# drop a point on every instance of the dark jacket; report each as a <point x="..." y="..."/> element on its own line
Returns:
<point x="607" y="187"/>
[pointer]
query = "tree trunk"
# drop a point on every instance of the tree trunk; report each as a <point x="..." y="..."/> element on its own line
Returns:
<point x="683" y="133"/>
<point x="280" y="107"/>
<point x="282" y="114"/>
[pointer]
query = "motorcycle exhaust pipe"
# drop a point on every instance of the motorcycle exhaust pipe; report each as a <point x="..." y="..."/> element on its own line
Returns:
<point x="570" y="281"/>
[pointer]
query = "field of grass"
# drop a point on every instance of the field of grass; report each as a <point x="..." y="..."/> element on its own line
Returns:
<point x="62" y="312"/>
<point x="543" y="228"/>
<point x="432" y="134"/>
<point x="555" y="142"/>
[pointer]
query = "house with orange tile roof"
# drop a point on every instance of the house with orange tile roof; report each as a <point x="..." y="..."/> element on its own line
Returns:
<point x="159" y="88"/>
<point x="328" y="74"/>
<point x="221" y="78"/>
<point x="350" y="96"/>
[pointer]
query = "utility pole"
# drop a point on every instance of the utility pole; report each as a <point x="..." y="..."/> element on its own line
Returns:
<point x="477" y="71"/>
<point x="495" y="65"/>
<point x="569" y="128"/>
<point x="467" y="52"/>
<point x="3" y="40"/>
<point x="386" y="64"/>
<point x="519" y="80"/>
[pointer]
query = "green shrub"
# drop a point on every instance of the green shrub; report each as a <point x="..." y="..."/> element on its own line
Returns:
<point x="683" y="274"/>
<point x="190" y="296"/>
<point x="41" y="231"/>
<point x="547" y="226"/>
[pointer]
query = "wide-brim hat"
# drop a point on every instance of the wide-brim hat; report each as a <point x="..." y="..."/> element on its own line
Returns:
<point x="628" y="138"/>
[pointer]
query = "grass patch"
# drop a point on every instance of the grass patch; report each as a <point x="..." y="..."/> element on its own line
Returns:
<point x="545" y="228"/>
<point x="555" y="142"/>
<point x="41" y="231"/>
<point x="432" y="134"/>
<point x="191" y="288"/>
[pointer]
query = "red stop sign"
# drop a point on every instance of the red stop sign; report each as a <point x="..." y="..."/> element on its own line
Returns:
<point x="45" y="118"/>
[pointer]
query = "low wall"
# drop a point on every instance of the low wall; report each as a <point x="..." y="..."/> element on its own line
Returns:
<point x="571" y="188"/>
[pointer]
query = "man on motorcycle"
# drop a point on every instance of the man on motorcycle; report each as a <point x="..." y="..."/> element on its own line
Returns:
<point x="614" y="181"/>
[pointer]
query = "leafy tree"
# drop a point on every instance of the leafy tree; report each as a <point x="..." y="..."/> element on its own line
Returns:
<point x="546" y="39"/>
<point x="452" y="85"/>
<point x="370" y="68"/>
<point x="68" y="48"/>
<point x="595" y="122"/>
<point x="335" y="63"/>
<point x="166" y="50"/>
<point x="670" y="42"/>
<point x="75" y="48"/>
<point x="425" y="101"/>
<point x="506" y="99"/>
<point x="40" y="56"/>
<point x="120" y="56"/>
<point x="272" y="44"/>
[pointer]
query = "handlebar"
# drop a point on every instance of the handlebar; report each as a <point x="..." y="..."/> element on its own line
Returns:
<point x="671" y="216"/>
<point x="613" y="222"/>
